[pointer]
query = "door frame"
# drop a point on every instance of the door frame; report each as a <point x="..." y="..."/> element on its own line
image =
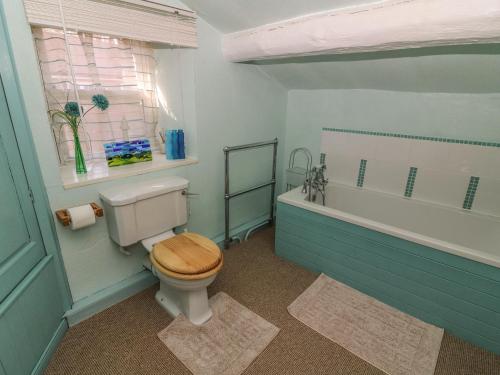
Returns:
<point x="30" y="160"/>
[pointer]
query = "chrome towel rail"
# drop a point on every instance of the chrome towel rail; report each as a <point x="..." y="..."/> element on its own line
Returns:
<point x="228" y="195"/>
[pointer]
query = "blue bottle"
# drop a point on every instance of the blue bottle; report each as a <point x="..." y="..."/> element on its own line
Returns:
<point x="169" y="145"/>
<point x="180" y="143"/>
<point x="175" y="144"/>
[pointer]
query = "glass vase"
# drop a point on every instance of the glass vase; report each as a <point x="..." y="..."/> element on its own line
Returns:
<point x="80" y="166"/>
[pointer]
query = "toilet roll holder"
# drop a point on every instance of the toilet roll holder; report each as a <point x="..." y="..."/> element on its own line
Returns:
<point x="65" y="219"/>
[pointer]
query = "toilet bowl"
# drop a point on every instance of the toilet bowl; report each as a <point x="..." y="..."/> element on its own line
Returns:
<point x="186" y="264"/>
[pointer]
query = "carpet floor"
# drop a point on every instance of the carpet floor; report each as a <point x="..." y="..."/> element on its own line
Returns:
<point x="123" y="339"/>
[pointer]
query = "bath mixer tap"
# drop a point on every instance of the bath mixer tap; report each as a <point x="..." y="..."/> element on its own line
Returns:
<point x="316" y="183"/>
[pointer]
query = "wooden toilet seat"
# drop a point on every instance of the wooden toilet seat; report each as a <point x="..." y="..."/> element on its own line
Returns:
<point x="187" y="256"/>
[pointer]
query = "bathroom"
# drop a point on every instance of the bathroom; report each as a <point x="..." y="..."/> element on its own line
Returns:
<point x="336" y="209"/>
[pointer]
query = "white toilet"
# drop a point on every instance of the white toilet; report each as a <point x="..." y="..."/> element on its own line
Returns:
<point x="185" y="263"/>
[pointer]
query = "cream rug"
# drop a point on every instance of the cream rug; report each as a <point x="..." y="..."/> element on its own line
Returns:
<point x="225" y="345"/>
<point x="389" y="339"/>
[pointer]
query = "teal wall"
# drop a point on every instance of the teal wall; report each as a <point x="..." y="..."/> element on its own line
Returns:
<point x="222" y="104"/>
<point x="457" y="294"/>
<point x="446" y="92"/>
<point x="228" y="104"/>
<point x="450" y="91"/>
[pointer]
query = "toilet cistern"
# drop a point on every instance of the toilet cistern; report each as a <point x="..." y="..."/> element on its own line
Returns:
<point x="187" y="263"/>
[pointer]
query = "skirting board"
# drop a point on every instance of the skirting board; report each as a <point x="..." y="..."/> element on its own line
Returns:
<point x="88" y="306"/>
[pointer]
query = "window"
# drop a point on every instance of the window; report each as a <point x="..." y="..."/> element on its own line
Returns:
<point x="121" y="69"/>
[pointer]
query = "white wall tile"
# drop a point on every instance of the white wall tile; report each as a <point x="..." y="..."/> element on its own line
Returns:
<point x="487" y="198"/>
<point x="343" y="169"/>
<point x="428" y="154"/>
<point x="444" y="169"/>
<point x="363" y="146"/>
<point x="474" y="160"/>
<point x="490" y="166"/>
<point x="392" y="149"/>
<point x="340" y="139"/>
<point x="440" y="187"/>
<point x="353" y="145"/>
<point x="386" y="176"/>
<point x="343" y="143"/>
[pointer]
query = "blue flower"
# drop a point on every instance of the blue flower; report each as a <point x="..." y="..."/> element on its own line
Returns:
<point x="100" y="101"/>
<point x="71" y="108"/>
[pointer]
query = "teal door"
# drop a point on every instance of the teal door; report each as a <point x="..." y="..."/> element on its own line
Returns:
<point x="21" y="246"/>
<point x="31" y="299"/>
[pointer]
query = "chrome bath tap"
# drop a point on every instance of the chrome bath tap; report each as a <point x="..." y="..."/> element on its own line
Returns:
<point x="316" y="183"/>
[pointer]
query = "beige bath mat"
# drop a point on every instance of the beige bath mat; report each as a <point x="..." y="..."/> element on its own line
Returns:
<point x="389" y="339"/>
<point x="226" y="345"/>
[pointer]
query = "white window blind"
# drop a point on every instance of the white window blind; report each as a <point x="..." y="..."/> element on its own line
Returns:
<point x="134" y="19"/>
<point x="121" y="69"/>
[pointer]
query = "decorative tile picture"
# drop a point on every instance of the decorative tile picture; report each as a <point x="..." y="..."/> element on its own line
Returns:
<point x="128" y="152"/>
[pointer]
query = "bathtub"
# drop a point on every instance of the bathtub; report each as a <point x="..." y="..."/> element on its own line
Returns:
<point x="456" y="231"/>
<point x="438" y="263"/>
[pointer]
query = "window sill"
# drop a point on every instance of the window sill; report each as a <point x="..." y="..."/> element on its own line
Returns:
<point x="98" y="170"/>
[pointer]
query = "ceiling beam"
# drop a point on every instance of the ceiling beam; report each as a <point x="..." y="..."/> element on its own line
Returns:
<point x="382" y="26"/>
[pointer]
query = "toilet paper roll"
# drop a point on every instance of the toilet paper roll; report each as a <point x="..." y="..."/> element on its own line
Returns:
<point x="81" y="216"/>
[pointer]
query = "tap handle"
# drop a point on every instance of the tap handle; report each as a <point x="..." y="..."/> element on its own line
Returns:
<point x="304" y="187"/>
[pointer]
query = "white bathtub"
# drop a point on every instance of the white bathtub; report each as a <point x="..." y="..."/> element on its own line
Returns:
<point x="457" y="231"/>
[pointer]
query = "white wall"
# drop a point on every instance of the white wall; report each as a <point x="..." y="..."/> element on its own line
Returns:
<point x="224" y="104"/>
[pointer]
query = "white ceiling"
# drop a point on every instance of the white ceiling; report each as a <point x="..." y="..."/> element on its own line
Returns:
<point x="460" y="69"/>
<point x="234" y="15"/>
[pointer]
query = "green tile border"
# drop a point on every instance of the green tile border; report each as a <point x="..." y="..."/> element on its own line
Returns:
<point x="361" y="173"/>
<point x="322" y="158"/>
<point x="471" y="192"/>
<point x="419" y="137"/>
<point x="410" y="182"/>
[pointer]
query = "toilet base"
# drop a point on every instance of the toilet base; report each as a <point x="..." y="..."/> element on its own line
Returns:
<point x="187" y="297"/>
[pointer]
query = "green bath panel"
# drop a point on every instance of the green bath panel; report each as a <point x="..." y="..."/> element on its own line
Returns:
<point x="457" y="294"/>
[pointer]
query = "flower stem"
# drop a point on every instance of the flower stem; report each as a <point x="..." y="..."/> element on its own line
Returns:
<point x="80" y="166"/>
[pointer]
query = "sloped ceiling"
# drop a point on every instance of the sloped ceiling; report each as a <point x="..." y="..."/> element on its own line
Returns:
<point x="456" y="69"/>
<point x="453" y="69"/>
<point x="235" y="15"/>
